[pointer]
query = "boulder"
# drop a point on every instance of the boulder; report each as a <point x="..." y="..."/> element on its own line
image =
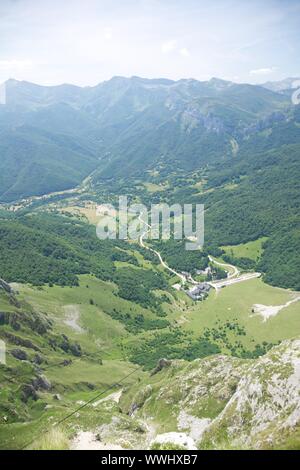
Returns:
<point x="162" y="364"/>
<point x="28" y="392"/>
<point x="38" y="359"/>
<point x="14" y="321"/>
<point x="66" y="362"/>
<point x="19" y="354"/>
<point x="41" y="383"/>
<point x="75" y="349"/>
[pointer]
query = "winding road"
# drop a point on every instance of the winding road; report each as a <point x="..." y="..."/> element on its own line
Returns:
<point x="235" y="271"/>
<point x="233" y="277"/>
<point x="157" y="253"/>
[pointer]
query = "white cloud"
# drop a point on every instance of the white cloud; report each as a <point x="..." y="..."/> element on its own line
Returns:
<point x="108" y="33"/>
<point x="168" y="46"/>
<point x="184" y="52"/>
<point x="87" y="42"/>
<point x="172" y="46"/>
<point x="14" y="64"/>
<point x="263" y="71"/>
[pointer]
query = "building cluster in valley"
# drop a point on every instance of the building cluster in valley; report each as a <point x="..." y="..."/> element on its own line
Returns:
<point x="199" y="291"/>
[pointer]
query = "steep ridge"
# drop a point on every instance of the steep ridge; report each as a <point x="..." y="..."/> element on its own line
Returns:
<point x="214" y="403"/>
<point x="132" y="124"/>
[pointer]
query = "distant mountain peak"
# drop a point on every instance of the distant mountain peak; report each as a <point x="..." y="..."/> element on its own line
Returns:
<point x="289" y="83"/>
<point x="219" y="81"/>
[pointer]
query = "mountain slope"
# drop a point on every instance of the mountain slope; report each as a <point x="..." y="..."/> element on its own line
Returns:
<point x="54" y="363"/>
<point x="189" y="124"/>
<point x="283" y="85"/>
<point x="213" y="403"/>
<point x="241" y="137"/>
<point x="34" y="162"/>
<point x="124" y="126"/>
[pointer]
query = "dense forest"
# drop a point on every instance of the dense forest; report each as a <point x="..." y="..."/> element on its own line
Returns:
<point x="53" y="249"/>
<point x="178" y="258"/>
<point x="263" y="203"/>
<point x="257" y="195"/>
<point x="241" y="160"/>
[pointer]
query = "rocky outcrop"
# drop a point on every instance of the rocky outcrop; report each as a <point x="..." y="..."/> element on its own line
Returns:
<point x="4" y="285"/>
<point x="265" y="123"/>
<point x="19" y="354"/>
<point x="64" y="343"/>
<point x="162" y="363"/>
<point x="192" y="117"/>
<point x="221" y="402"/>
<point x="18" y="320"/>
<point x="265" y="406"/>
<point x="41" y="383"/>
<point x="38" y="359"/>
<point x="18" y="341"/>
<point x="28" y="392"/>
<point x="9" y="318"/>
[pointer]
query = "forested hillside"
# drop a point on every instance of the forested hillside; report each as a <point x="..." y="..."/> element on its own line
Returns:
<point x="258" y="196"/>
<point x="52" y="249"/>
<point x="233" y="147"/>
<point x="53" y="137"/>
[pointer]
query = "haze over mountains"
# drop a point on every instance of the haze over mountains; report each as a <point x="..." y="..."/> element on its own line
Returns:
<point x="240" y="141"/>
<point x="119" y="328"/>
<point x="51" y="138"/>
<point x="78" y="313"/>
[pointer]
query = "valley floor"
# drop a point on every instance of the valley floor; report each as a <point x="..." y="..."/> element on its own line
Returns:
<point x="229" y="317"/>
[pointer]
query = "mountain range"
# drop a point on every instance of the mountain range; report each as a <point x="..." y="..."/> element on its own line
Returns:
<point x="51" y="138"/>
<point x="104" y="346"/>
<point x="241" y="142"/>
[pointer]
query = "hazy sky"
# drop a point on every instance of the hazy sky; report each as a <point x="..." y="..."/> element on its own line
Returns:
<point x="88" y="41"/>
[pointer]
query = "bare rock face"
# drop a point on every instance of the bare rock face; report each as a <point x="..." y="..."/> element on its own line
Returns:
<point x="221" y="402"/>
<point x="265" y="407"/>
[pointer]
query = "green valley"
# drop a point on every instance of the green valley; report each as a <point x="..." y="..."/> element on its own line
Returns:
<point x="142" y="344"/>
